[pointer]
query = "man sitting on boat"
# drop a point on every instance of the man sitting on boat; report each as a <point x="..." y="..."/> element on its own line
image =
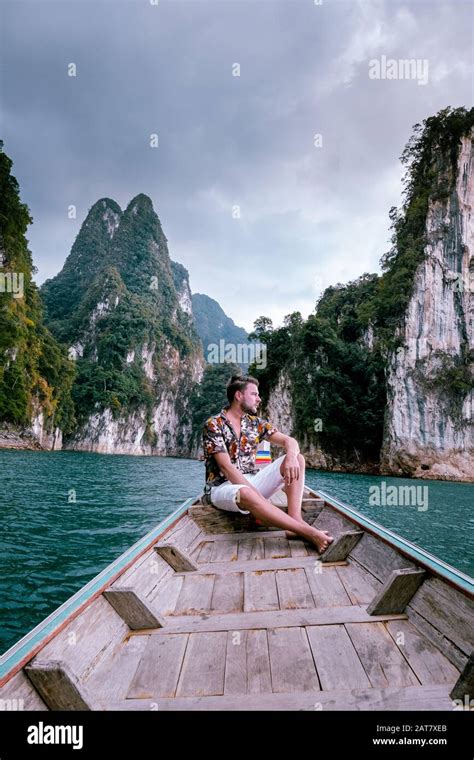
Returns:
<point x="233" y="482"/>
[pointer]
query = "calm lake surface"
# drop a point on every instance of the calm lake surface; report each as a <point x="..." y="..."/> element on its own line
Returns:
<point x="66" y="515"/>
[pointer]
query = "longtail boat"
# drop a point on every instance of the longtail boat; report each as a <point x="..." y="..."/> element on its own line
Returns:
<point x="210" y="611"/>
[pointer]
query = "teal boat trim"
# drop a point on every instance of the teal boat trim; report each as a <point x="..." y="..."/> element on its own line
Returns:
<point x="19" y="651"/>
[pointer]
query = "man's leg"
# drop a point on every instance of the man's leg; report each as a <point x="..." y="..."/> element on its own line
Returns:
<point x="262" y="509"/>
<point x="294" y="492"/>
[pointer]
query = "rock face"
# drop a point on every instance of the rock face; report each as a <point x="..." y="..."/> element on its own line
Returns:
<point x="164" y="432"/>
<point x="15" y="437"/>
<point x="428" y="430"/>
<point x="35" y="374"/>
<point x="124" y="310"/>
<point x="280" y="411"/>
<point x="219" y="334"/>
<point x="279" y="408"/>
<point x="412" y="327"/>
<point x="49" y="439"/>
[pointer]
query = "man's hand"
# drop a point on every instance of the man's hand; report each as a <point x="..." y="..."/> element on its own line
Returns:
<point x="291" y="468"/>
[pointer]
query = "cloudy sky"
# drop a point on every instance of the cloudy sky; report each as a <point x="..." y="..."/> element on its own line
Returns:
<point x="262" y="212"/>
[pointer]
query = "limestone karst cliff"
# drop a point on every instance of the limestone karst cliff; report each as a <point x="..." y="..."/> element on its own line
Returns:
<point x="124" y="310"/>
<point x="428" y="430"/>
<point x="380" y="378"/>
<point x="35" y="373"/>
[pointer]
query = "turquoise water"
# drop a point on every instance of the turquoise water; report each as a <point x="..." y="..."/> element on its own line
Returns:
<point x="65" y="516"/>
<point x="51" y="546"/>
<point x="441" y="521"/>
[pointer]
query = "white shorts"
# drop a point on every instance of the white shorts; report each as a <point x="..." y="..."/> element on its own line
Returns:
<point x="267" y="481"/>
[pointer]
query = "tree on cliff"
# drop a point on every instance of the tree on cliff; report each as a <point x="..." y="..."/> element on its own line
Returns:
<point x="35" y="373"/>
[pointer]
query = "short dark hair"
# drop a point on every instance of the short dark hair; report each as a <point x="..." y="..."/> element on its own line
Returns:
<point x="238" y="383"/>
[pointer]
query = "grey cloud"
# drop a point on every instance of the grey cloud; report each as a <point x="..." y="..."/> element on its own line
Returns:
<point x="309" y="216"/>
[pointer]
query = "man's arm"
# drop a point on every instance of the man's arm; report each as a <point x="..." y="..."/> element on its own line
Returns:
<point x="292" y="465"/>
<point x="286" y="441"/>
<point x="232" y="473"/>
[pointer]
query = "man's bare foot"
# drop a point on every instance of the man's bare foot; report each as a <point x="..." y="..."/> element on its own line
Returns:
<point x="321" y="540"/>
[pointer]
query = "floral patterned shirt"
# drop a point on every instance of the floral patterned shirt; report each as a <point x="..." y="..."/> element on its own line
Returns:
<point x="219" y="435"/>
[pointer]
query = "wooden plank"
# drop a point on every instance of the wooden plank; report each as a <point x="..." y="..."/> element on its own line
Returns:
<point x="225" y="551"/>
<point x="337" y="662"/>
<point x="271" y="619"/>
<point x="276" y="547"/>
<point x="260" y="534"/>
<point x="194" y="552"/>
<point x="377" y="557"/>
<point x="228" y="594"/>
<point x="204" y="665"/>
<point x="159" y="669"/>
<point x="381" y="658"/>
<point x="260" y="591"/>
<point x="294" y="591"/>
<point x="450" y="650"/>
<point x="448" y="610"/>
<point x="86" y="639"/>
<point x="291" y="661"/>
<point x="326" y="587"/>
<point x="297" y="548"/>
<point x="126" y="576"/>
<point x="133" y="610"/>
<point x="19" y="694"/>
<point x="184" y="521"/>
<point x="410" y="698"/>
<point x="251" y="549"/>
<point x="247" y="663"/>
<point x="212" y="520"/>
<point x="258" y="662"/>
<point x="205" y="552"/>
<point x="111" y="678"/>
<point x="261" y="564"/>
<point x="359" y="584"/>
<point x="342" y="546"/>
<point x="236" y="663"/>
<point x="151" y="571"/>
<point x="195" y="595"/>
<point x="464" y="686"/>
<point x="165" y="601"/>
<point x="148" y="577"/>
<point x="331" y="520"/>
<point x="58" y="686"/>
<point x="397" y="591"/>
<point x="311" y="514"/>
<point x="310" y="502"/>
<point x="176" y="557"/>
<point x="429" y="664"/>
<point x="184" y="534"/>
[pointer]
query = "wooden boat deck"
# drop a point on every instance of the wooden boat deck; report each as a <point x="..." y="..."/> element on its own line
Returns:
<point x="258" y="623"/>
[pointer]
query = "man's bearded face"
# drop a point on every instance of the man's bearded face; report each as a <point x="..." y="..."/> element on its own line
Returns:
<point x="250" y="399"/>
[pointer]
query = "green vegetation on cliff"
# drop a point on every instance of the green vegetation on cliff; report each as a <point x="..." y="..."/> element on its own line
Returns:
<point x="209" y="396"/>
<point x="430" y="157"/>
<point x="336" y="380"/>
<point x="35" y="373"/>
<point x="116" y="304"/>
<point x="335" y="360"/>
